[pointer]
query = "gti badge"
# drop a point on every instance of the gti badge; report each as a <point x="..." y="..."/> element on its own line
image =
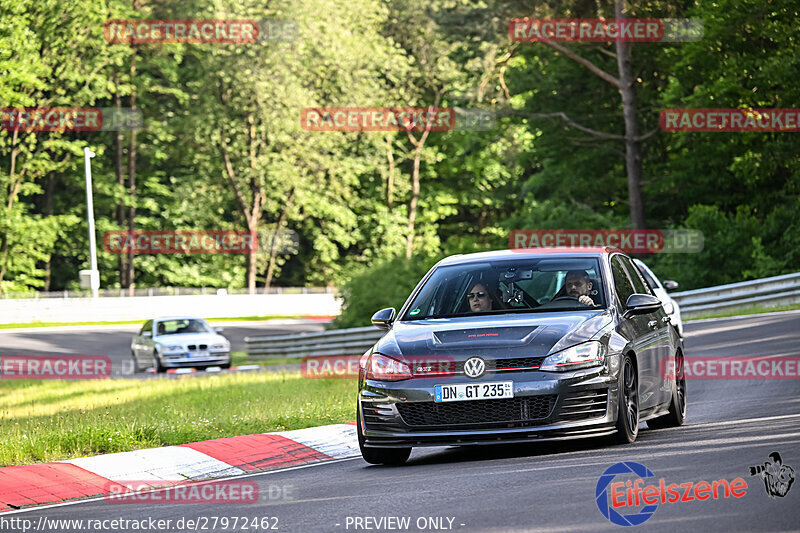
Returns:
<point x="474" y="367"/>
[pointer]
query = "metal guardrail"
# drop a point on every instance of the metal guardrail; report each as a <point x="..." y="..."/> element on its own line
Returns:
<point x="353" y="341"/>
<point x="160" y="291"/>
<point x="768" y="292"/>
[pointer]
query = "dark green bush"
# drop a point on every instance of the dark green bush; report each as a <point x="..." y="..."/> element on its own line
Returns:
<point x="385" y="284"/>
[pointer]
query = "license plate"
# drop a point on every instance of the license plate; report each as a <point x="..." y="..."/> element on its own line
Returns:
<point x="469" y="391"/>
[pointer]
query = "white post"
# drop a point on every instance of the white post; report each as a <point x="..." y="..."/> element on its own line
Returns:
<point x="95" y="275"/>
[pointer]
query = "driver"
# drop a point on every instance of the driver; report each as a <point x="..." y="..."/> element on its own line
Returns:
<point x="578" y="284"/>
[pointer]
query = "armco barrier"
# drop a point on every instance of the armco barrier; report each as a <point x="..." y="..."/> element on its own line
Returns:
<point x="354" y="341"/>
<point x="767" y="292"/>
<point x="144" y="307"/>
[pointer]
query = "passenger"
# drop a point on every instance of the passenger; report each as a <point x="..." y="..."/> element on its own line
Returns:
<point x="481" y="299"/>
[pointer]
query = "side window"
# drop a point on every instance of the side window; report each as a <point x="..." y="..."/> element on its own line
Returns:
<point x="638" y="280"/>
<point x="621" y="281"/>
<point x="148" y="326"/>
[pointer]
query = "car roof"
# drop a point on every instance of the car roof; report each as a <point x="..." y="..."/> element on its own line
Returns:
<point x="526" y="253"/>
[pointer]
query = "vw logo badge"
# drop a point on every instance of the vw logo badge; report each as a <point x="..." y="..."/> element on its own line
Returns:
<point x="474" y="367"/>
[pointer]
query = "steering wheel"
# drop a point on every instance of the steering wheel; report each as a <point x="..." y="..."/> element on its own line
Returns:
<point x="565" y="297"/>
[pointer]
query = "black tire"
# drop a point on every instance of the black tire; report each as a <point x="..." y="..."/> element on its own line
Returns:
<point x="225" y="366"/>
<point x="628" y="404"/>
<point x="159" y="367"/>
<point x="380" y="456"/>
<point x="677" y="405"/>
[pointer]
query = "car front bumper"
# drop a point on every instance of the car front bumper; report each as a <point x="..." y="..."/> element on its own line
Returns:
<point x="545" y="406"/>
<point x="184" y="360"/>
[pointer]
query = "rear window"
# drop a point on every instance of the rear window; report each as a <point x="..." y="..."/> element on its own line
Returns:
<point x="527" y="285"/>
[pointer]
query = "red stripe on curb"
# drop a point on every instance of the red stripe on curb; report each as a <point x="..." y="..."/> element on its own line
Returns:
<point x="259" y="452"/>
<point x="321" y="318"/>
<point x="46" y="483"/>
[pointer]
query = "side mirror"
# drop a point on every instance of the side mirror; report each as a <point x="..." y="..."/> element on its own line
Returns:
<point x="383" y="319"/>
<point x="147" y="333"/>
<point x="640" y="304"/>
<point x="670" y="285"/>
<point x="219" y="330"/>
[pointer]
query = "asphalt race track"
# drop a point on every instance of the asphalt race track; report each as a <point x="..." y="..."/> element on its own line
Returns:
<point x="115" y="341"/>
<point x="731" y="426"/>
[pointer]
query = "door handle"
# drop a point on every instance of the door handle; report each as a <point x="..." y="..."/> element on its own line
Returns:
<point x="653" y="324"/>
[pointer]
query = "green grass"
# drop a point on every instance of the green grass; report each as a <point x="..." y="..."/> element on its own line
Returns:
<point x="44" y="420"/>
<point x="125" y="322"/>
<point x="757" y="309"/>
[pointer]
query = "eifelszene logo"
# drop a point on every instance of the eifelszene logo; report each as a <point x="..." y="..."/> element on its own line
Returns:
<point x="778" y="477"/>
<point x="614" y="498"/>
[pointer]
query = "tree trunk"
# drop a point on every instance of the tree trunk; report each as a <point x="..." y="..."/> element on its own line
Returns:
<point x="390" y="177"/>
<point x="13" y="189"/>
<point x="118" y="164"/>
<point x="48" y="212"/>
<point x="132" y="182"/>
<point x="273" y="247"/>
<point x="633" y="149"/>
<point x="252" y="212"/>
<point x="412" y="206"/>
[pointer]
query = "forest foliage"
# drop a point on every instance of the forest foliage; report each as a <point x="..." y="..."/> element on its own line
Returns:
<point x="222" y="118"/>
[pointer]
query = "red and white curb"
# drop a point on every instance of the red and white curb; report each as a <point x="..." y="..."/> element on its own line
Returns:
<point x="24" y="486"/>
<point x="210" y="369"/>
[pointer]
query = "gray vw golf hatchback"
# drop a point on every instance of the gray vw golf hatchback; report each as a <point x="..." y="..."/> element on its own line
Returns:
<point x="520" y="346"/>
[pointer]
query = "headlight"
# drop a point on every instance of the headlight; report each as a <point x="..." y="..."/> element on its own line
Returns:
<point x="584" y="355"/>
<point x="220" y="346"/>
<point x="669" y="308"/>
<point x="385" y="368"/>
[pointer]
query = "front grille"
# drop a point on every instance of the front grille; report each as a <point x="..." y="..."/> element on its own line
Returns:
<point x="519" y="362"/>
<point x="587" y="404"/>
<point x="521" y="411"/>
<point x="195" y="347"/>
<point x="510" y="363"/>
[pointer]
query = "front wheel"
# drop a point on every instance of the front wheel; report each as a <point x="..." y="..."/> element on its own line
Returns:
<point x="380" y="456"/>
<point x="159" y="367"/>
<point x="628" y="404"/>
<point x="677" y="406"/>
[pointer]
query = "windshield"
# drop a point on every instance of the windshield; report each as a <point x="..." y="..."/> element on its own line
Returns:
<point x="526" y="285"/>
<point x="182" y="325"/>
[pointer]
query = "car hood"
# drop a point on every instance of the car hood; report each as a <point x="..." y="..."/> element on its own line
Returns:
<point x="191" y="338"/>
<point x="522" y="334"/>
